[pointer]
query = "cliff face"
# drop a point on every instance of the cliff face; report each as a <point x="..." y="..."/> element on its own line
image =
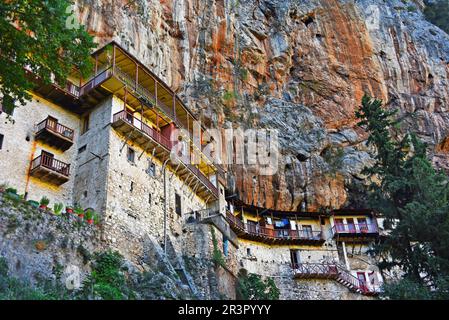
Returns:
<point x="300" y="66"/>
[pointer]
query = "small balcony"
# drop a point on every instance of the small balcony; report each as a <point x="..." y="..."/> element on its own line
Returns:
<point x="48" y="169"/>
<point x="360" y="231"/>
<point x="267" y="235"/>
<point x="51" y="132"/>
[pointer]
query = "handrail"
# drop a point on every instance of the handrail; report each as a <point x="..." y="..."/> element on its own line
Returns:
<point x="257" y="230"/>
<point x="164" y="141"/>
<point x="325" y="269"/>
<point x="53" y="125"/>
<point x="355" y="228"/>
<point x="51" y="163"/>
<point x="155" y="135"/>
<point x="140" y="90"/>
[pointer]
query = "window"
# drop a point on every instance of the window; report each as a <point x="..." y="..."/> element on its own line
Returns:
<point x="363" y="224"/>
<point x="178" y="204"/>
<point x="151" y="169"/>
<point x="1" y="141"/>
<point x="85" y="124"/>
<point x="82" y="149"/>
<point x="131" y="154"/>
<point x="295" y="258"/>
<point x="307" y="230"/>
<point x="248" y="252"/>
<point x="149" y="198"/>
<point x="131" y="188"/>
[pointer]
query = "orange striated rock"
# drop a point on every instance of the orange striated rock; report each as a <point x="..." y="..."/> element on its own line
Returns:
<point x="322" y="55"/>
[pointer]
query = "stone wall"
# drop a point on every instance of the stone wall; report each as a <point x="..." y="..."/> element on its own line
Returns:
<point x="275" y="262"/>
<point x="20" y="148"/>
<point x="36" y="243"/>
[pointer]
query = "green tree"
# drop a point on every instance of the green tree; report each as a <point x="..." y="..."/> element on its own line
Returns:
<point x="39" y="35"/>
<point x="437" y="12"/>
<point x="413" y="198"/>
<point x="107" y="280"/>
<point x="252" y="287"/>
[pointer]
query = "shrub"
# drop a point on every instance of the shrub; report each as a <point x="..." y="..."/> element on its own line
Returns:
<point x="44" y="201"/>
<point x="107" y="280"/>
<point x="57" y="208"/>
<point x="437" y="12"/>
<point x="11" y="190"/>
<point x="252" y="287"/>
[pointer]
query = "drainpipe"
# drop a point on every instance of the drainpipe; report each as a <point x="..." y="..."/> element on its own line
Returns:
<point x="345" y="255"/>
<point x="164" y="167"/>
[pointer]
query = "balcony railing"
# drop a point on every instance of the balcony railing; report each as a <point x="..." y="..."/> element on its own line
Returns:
<point x="255" y="230"/>
<point x="315" y="270"/>
<point x="354" y="229"/>
<point x="235" y="222"/>
<point x="50" y="163"/>
<point x="164" y="141"/>
<point x="52" y="125"/>
<point x="258" y="230"/>
<point x="140" y="125"/>
<point x="336" y="272"/>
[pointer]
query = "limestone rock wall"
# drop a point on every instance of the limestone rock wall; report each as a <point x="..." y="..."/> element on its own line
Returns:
<point x="239" y="62"/>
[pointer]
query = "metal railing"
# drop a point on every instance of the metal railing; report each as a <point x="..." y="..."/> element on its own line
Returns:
<point x="51" y="163"/>
<point x="52" y="124"/>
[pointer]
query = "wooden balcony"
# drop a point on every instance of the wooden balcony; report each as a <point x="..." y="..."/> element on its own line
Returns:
<point x="119" y="72"/>
<point x="274" y="236"/>
<point x="355" y="232"/>
<point x="55" y="134"/>
<point x="66" y="95"/>
<point x="48" y="169"/>
<point x="153" y="141"/>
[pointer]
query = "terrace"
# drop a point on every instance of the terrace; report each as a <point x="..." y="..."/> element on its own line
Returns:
<point x="359" y="231"/>
<point x="278" y="236"/>
<point x="157" y="141"/>
<point x="55" y="134"/>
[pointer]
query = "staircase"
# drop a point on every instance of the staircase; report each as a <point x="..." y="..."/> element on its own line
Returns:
<point x="345" y="278"/>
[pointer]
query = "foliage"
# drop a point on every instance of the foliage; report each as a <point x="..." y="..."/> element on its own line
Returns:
<point x="14" y="289"/>
<point x="11" y="190"/>
<point x="252" y="287"/>
<point x="89" y="214"/>
<point x="437" y="12"/>
<point x="217" y="256"/>
<point x="57" y="208"/>
<point x="334" y="158"/>
<point x="44" y="201"/>
<point x="78" y="210"/>
<point x="413" y="198"/>
<point x="33" y="203"/>
<point x="36" y="35"/>
<point x="229" y="96"/>
<point x="107" y="281"/>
